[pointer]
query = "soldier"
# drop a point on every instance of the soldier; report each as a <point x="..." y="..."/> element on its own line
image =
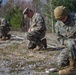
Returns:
<point x="66" y="32"/>
<point x="4" y="29"/>
<point x="37" y="30"/>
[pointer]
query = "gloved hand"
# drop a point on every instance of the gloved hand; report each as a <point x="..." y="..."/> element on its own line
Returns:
<point x="31" y="29"/>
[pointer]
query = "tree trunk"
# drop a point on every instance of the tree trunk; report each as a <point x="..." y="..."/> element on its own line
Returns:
<point x="51" y="10"/>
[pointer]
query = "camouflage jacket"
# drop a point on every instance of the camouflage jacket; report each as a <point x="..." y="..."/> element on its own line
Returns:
<point x="4" y="25"/>
<point x="37" y="22"/>
<point x="62" y="29"/>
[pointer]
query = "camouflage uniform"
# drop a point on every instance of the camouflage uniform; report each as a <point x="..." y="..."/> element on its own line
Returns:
<point x="38" y="24"/>
<point x="66" y="31"/>
<point x="4" y="28"/>
<point x="70" y="43"/>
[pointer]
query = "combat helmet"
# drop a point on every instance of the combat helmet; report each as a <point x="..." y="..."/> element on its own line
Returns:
<point x="60" y="12"/>
<point x="26" y="11"/>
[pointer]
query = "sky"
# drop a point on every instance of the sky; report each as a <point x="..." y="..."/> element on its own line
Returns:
<point x="4" y="1"/>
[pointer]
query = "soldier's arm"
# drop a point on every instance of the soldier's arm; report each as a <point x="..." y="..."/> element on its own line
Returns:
<point x="71" y="32"/>
<point x="57" y="30"/>
<point x="36" y="23"/>
<point x="39" y="23"/>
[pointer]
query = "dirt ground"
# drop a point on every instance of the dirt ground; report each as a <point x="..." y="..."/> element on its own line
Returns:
<point x="16" y="59"/>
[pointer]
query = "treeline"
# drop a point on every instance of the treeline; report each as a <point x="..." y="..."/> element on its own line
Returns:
<point x="12" y="11"/>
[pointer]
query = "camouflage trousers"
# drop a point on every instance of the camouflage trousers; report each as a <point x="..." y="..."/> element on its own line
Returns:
<point x="35" y="38"/>
<point x="68" y="52"/>
<point x="4" y="31"/>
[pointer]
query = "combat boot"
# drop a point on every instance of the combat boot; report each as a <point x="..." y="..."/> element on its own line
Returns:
<point x="0" y="37"/>
<point x="39" y="46"/>
<point x="70" y="70"/>
<point x="31" y="45"/>
<point x="44" y="42"/>
<point x="8" y="36"/>
<point x="3" y="38"/>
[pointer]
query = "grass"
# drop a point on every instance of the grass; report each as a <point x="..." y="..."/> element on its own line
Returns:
<point x="55" y="73"/>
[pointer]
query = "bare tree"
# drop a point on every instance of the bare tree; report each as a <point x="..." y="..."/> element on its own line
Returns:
<point x="36" y="5"/>
<point x="51" y="10"/>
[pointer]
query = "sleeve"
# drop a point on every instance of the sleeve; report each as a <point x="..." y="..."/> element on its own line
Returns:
<point x="38" y="23"/>
<point x="57" y="29"/>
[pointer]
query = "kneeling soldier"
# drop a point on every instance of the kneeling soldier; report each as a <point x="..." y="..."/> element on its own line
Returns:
<point x="4" y="29"/>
